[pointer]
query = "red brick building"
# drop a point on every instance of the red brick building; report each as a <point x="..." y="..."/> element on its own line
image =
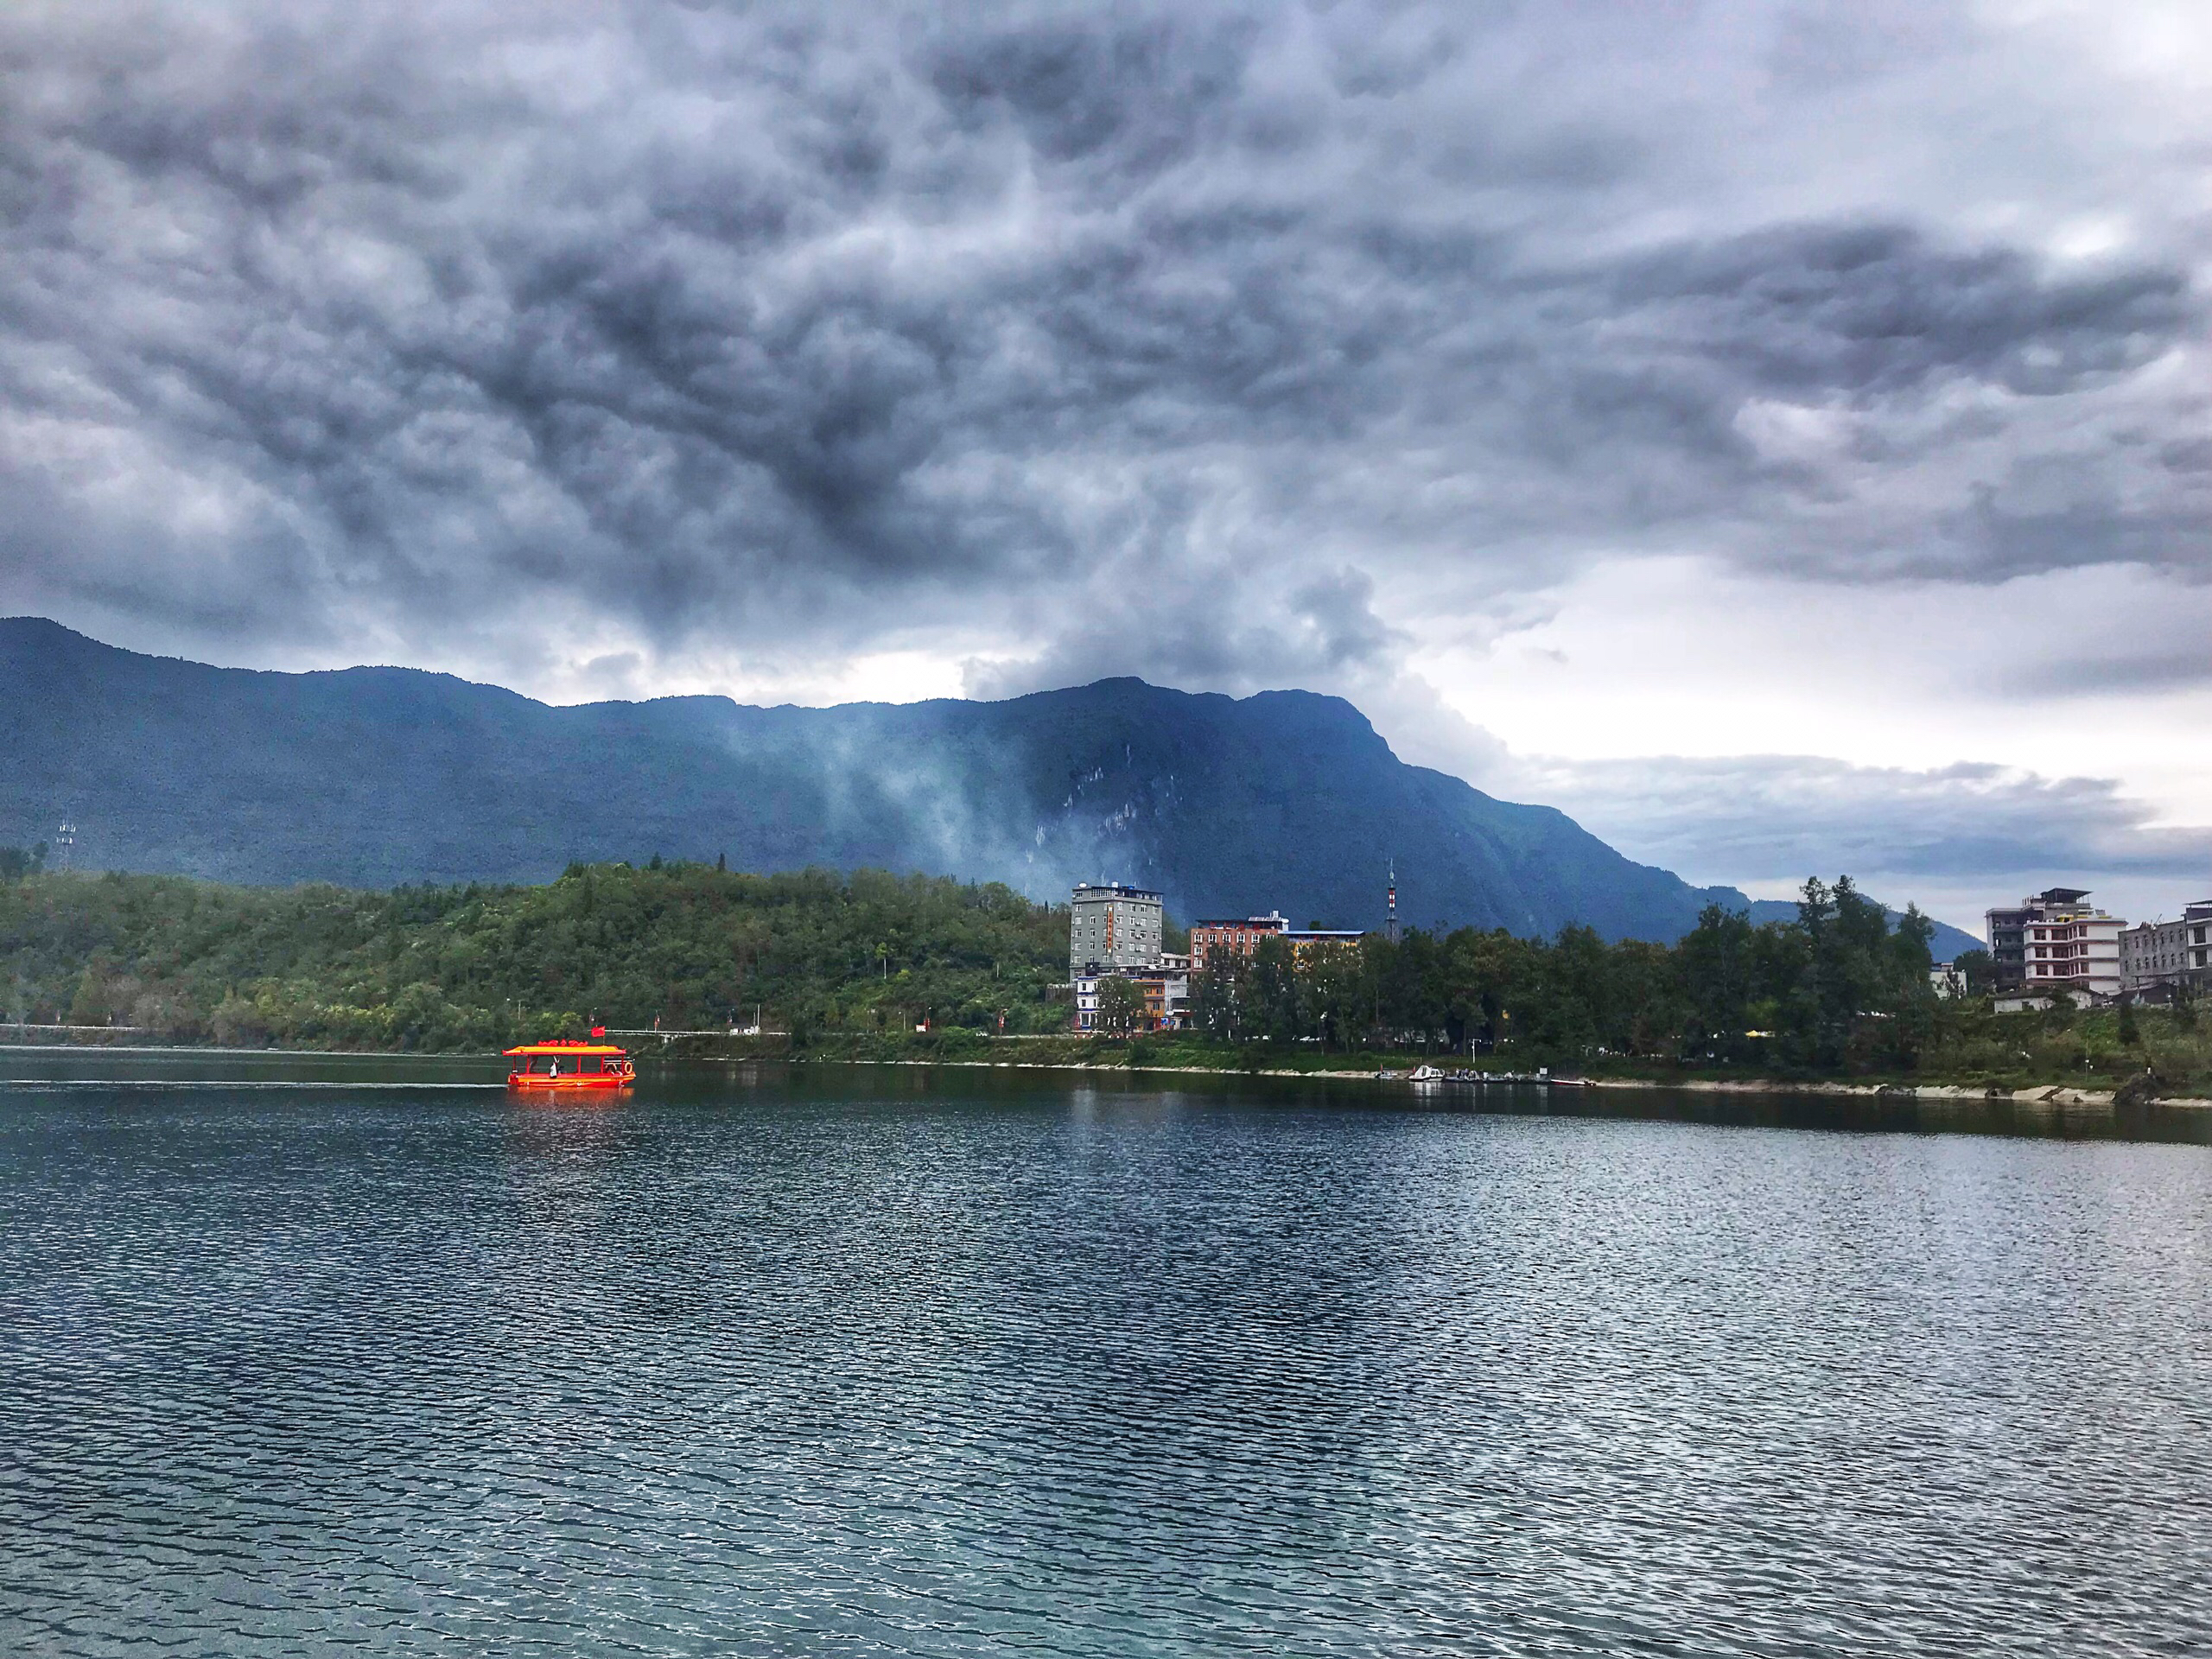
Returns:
<point x="1238" y="937"/>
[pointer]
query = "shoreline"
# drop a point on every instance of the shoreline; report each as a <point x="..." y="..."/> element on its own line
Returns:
<point x="2046" y="1095"/>
<point x="2037" y="1095"/>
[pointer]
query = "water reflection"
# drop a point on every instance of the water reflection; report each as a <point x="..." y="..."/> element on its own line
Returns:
<point x="949" y="1363"/>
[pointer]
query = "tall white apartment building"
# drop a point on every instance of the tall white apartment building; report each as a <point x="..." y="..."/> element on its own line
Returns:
<point x="1112" y="929"/>
<point x="2056" y="941"/>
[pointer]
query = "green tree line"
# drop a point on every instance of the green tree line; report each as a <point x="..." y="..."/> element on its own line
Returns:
<point x="688" y="946"/>
<point x="696" y="948"/>
<point x="1836" y="989"/>
<point x="851" y="963"/>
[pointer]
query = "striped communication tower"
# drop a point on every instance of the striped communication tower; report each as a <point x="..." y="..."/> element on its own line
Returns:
<point x="1390" y="925"/>
<point x="65" y="846"/>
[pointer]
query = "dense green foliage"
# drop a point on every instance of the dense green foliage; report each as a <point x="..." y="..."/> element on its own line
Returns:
<point x="1834" y="990"/>
<point x="16" y="862"/>
<point x="686" y="945"/>
<point x="1835" y="993"/>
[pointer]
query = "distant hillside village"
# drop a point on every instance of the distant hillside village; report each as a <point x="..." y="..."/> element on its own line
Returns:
<point x="2055" y="943"/>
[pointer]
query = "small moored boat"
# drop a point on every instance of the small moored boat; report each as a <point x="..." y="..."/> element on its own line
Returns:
<point x="570" y="1064"/>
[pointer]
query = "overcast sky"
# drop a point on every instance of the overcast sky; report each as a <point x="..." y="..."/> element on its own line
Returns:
<point x="1779" y="434"/>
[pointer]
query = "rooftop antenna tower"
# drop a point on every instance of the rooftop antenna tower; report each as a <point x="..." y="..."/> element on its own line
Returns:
<point x="1390" y="925"/>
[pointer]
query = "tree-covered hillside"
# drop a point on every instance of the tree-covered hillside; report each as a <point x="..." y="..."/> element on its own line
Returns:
<point x="473" y="966"/>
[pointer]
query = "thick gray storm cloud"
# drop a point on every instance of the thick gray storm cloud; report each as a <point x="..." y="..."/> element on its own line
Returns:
<point x="1215" y="343"/>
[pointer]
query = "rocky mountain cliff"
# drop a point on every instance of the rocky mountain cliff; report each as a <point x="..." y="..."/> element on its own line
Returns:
<point x="372" y="776"/>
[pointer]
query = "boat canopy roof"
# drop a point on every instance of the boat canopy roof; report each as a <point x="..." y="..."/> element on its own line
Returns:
<point x="565" y="1048"/>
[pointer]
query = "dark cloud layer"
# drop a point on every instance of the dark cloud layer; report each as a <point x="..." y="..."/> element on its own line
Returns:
<point x="1232" y="346"/>
<point x="791" y="329"/>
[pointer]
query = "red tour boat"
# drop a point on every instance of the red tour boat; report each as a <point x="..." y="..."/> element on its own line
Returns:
<point x="570" y="1064"/>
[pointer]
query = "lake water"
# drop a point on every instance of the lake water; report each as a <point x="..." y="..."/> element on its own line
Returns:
<point x="863" y="1362"/>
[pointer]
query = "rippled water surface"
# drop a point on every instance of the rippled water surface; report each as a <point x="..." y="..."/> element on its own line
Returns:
<point x="858" y="1363"/>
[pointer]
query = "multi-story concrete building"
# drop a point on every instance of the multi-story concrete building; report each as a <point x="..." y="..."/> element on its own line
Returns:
<point x="1163" y="999"/>
<point x="2166" y="953"/>
<point x="2152" y="953"/>
<point x="2053" y="941"/>
<point x="1305" y="941"/>
<point x="1241" y="938"/>
<point x="1112" y="929"/>
<point x="2007" y="931"/>
<point x="1237" y="937"/>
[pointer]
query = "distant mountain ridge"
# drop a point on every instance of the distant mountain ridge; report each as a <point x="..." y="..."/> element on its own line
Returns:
<point x="371" y="776"/>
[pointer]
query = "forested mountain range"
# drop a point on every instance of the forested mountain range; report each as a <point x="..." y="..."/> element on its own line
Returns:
<point x="375" y="777"/>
